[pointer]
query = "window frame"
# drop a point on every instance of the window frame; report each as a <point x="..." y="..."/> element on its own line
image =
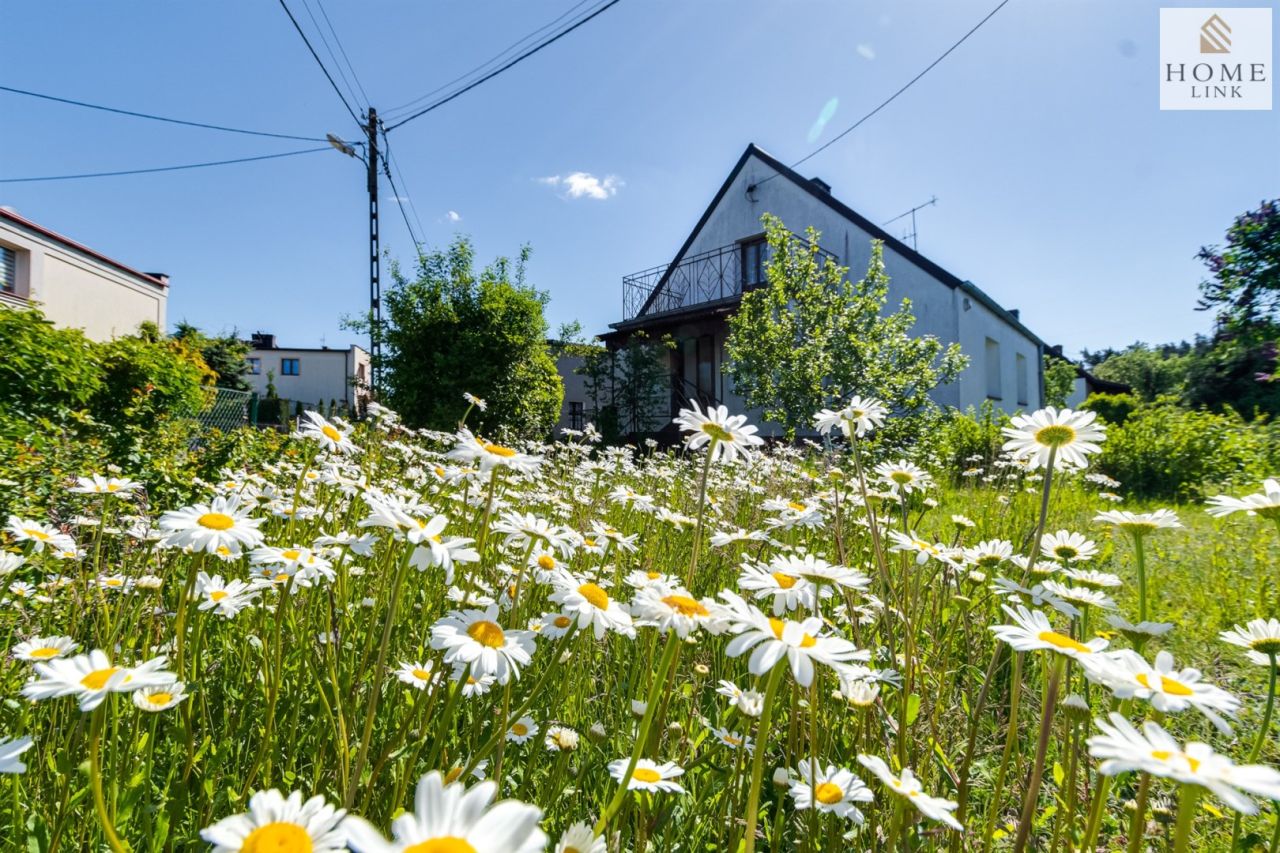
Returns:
<point x="255" y="365"/>
<point x="297" y="363"/>
<point x="989" y="365"/>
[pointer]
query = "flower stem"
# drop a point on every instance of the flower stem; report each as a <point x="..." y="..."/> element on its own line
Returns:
<point x="1140" y="555"/>
<point x="702" y="507"/>
<point x="757" y="759"/>
<point x="1042" y="747"/>
<point x="1188" y="798"/>
<point x="95" y="780"/>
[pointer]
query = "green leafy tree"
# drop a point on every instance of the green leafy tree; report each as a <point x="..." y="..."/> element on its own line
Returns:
<point x="226" y="355"/>
<point x="811" y="337"/>
<point x="1059" y="380"/>
<point x="1151" y="372"/>
<point x="452" y="329"/>
<point x="1244" y="275"/>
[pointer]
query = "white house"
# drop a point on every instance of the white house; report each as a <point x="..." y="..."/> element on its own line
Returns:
<point x="75" y="286"/>
<point x="312" y="377"/>
<point x="691" y="297"/>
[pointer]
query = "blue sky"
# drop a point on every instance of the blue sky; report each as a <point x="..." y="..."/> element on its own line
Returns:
<point x="1062" y="189"/>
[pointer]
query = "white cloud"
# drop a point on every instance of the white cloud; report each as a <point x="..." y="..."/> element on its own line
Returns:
<point x="866" y="51"/>
<point x="584" y="185"/>
<point x="453" y="216"/>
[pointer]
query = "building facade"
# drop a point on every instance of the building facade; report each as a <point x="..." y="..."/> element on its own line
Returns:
<point x="692" y="297"/>
<point x="73" y="285"/>
<point x="313" y="377"/>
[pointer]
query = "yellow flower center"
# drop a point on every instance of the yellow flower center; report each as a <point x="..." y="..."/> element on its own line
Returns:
<point x="278" y="837"/>
<point x="446" y="844"/>
<point x="519" y="730"/>
<point x="798" y="507"/>
<point x="159" y="698"/>
<point x="777" y="625"/>
<point x="784" y="580"/>
<point x="562" y="621"/>
<point x="98" y="679"/>
<point x="717" y="432"/>
<point x="902" y="477"/>
<point x="216" y="521"/>
<point x="498" y="450"/>
<point x="113" y="582"/>
<point x="218" y="595"/>
<point x="37" y="534"/>
<point x="1062" y="641"/>
<point x="1266" y="645"/>
<point x="291" y="554"/>
<point x="44" y="653"/>
<point x="653" y="576"/>
<point x="1165" y="755"/>
<point x="646" y="774"/>
<point x="733" y="741"/>
<point x="487" y="633"/>
<point x="1055" y="435"/>
<point x="546" y="561"/>
<point x="597" y="597"/>
<point x="1167" y="685"/>
<point x="686" y="606"/>
<point x="828" y="793"/>
<point x="331" y="433"/>
<point x="421" y="674"/>
<point x="452" y="775"/>
<point x="112" y="487"/>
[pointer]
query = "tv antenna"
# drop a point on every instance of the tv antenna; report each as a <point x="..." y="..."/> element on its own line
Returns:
<point x="912" y="213"/>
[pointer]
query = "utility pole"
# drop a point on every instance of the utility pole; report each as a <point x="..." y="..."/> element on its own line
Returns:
<point x="375" y="283"/>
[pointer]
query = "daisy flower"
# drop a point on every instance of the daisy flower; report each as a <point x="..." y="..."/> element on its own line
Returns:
<point x="44" y="648"/>
<point x="1067" y="546"/>
<point x="1070" y="437"/>
<point x="770" y="640"/>
<point x="92" y="677"/>
<point x="733" y="740"/>
<point x="561" y="739"/>
<point x="856" y="419"/>
<point x="910" y="543"/>
<point x="579" y="838"/>
<point x="819" y="572"/>
<point x="1123" y="748"/>
<point x="419" y="675"/>
<point x="1261" y="637"/>
<point x="902" y="477"/>
<point x="10" y="750"/>
<point x="100" y="485"/>
<point x="672" y="608"/>
<point x="223" y="522"/>
<point x="470" y="449"/>
<point x="275" y="822"/>
<point x="591" y="606"/>
<point x="721" y="539"/>
<point x="159" y="697"/>
<point x="475" y="637"/>
<point x="908" y="787"/>
<point x="789" y="592"/>
<point x="1139" y="523"/>
<point x="748" y="702"/>
<point x="729" y="436"/>
<point x="39" y="535"/>
<point x="522" y="730"/>
<point x="990" y="554"/>
<point x="1032" y="631"/>
<point x="1265" y="504"/>
<point x="648" y="775"/>
<point x="829" y="789"/>
<point x="226" y="598"/>
<point x="1168" y="689"/>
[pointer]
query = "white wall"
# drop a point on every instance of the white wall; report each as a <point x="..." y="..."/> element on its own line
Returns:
<point x="75" y="290"/>
<point x="575" y="388"/>
<point x="324" y="374"/>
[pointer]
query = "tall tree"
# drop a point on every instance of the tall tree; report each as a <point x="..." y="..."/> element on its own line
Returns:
<point x="1244" y="282"/>
<point x="811" y="337"/>
<point x="225" y="354"/>
<point x="452" y="329"/>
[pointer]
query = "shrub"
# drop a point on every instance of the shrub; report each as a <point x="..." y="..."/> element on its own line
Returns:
<point x="973" y="432"/>
<point x="1112" y="408"/>
<point x="45" y="372"/>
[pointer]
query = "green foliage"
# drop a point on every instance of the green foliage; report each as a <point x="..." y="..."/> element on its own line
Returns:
<point x="45" y="372"/>
<point x="969" y="439"/>
<point x="1244" y="276"/>
<point x="1150" y="372"/>
<point x="1235" y="372"/>
<point x="629" y="386"/>
<point x="226" y="355"/>
<point x="1059" y="380"/>
<point x="1112" y="408"/>
<point x="811" y="337"/>
<point x="1164" y="451"/>
<point x="144" y="378"/>
<point x="451" y="329"/>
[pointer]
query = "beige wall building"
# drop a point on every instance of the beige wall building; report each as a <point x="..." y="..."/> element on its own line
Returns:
<point x="311" y="377"/>
<point x="72" y="284"/>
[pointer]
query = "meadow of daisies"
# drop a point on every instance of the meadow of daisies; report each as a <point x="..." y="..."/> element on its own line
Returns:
<point x="387" y="639"/>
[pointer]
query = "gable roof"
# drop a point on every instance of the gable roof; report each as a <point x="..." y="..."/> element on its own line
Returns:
<point x="911" y="255"/>
<point x="67" y="242"/>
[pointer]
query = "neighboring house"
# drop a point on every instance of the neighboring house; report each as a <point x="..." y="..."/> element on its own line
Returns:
<point x="73" y="285"/>
<point x="692" y="297"/>
<point x="1086" y="384"/>
<point x="312" y="377"/>
<point x="574" y="411"/>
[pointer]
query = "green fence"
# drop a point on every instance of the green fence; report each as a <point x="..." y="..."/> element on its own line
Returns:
<point x="226" y="409"/>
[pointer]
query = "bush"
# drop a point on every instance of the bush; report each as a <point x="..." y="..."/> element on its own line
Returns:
<point x="1162" y="451"/>
<point x="1112" y="408"/>
<point x="45" y="372"/>
<point x="972" y="433"/>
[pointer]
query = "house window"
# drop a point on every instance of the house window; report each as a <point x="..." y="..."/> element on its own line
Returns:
<point x="992" y="364"/>
<point x="1023" y="379"/>
<point x="8" y="270"/>
<point x="577" y="415"/>
<point x="255" y="366"/>
<point x="754" y="257"/>
<point x="290" y="367"/>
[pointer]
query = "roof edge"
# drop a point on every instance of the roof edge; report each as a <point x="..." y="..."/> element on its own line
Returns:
<point x="23" y="222"/>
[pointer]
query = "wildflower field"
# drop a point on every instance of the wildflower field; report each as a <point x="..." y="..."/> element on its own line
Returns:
<point x="386" y="639"/>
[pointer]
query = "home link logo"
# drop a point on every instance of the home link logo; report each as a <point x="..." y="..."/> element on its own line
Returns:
<point x="1215" y="59"/>
<point x="1215" y="36"/>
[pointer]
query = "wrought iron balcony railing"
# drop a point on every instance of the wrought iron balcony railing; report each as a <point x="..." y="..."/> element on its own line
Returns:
<point x="698" y="279"/>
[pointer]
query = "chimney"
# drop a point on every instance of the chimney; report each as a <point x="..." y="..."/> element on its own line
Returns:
<point x="1016" y="312"/>
<point x="821" y="184"/>
<point x="162" y="277"/>
<point x="262" y="340"/>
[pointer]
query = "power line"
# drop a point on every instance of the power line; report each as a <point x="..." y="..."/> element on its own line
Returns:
<point x="496" y="58"/>
<point x="136" y="114"/>
<point x="547" y="42"/>
<point x="332" y="56"/>
<point x="851" y="128"/>
<point x="395" y="166"/>
<point x="395" y="194"/>
<point x="343" y="51"/>
<point x="316" y="57"/>
<point x="163" y="168"/>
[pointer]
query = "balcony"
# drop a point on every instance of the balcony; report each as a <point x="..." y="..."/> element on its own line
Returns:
<point x="712" y="276"/>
